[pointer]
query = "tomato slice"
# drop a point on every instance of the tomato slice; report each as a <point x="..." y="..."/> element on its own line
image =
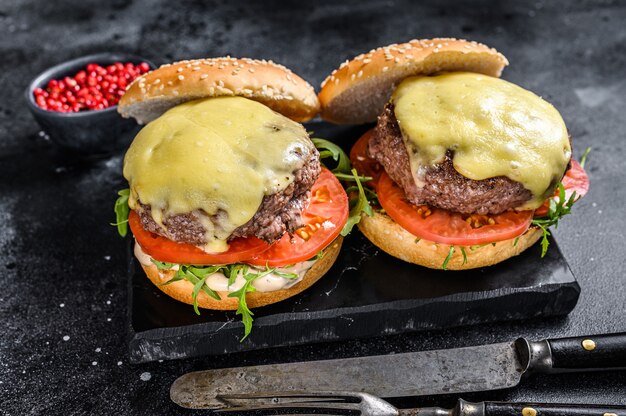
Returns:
<point x="166" y="250"/>
<point x="324" y="218"/>
<point x="575" y="180"/>
<point x="447" y="227"/>
<point x="362" y="162"/>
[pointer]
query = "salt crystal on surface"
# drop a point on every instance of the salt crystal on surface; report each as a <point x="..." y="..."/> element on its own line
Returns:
<point x="145" y="376"/>
<point x="94" y="363"/>
<point x="98" y="349"/>
<point x="66" y="337"/>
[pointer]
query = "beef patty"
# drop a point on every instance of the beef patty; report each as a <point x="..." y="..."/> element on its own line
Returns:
<point x="278" y="213"/>
<point x="444" y="187"/>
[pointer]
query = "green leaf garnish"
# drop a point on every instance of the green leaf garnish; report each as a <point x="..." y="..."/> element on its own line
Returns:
<point x="448" y="257"/>
<point x="583" y="158"/>
<point x="359" y="196"/>
<point x="557" y="210"/>
<point x="242" y="308"/>
<point x="161" y="265"/>
<point x="358" y="205"/>
<point x="464" y="255"/>
<point x="121" y="212"/>
<point x="331" y="150"/>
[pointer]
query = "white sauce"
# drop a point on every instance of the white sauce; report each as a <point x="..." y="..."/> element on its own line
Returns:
<point x="218" y="282"/>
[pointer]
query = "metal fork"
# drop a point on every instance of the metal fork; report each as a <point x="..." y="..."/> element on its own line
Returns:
<point x="342" y="403"/>
<point x="336" y="403"/>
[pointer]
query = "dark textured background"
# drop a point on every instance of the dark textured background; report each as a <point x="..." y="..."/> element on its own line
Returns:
<point x="62" y="267"/>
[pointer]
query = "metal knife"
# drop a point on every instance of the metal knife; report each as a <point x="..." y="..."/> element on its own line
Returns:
<point x="458" y="370"/>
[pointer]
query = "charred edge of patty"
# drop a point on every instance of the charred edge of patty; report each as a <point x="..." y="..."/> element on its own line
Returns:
<point x="444" y="187"/>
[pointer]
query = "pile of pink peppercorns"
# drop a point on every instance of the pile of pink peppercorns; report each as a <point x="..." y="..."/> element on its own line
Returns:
<point x="93" y="88"/>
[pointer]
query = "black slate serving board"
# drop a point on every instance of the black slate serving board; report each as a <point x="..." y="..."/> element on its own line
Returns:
<point x="366" y="293"/>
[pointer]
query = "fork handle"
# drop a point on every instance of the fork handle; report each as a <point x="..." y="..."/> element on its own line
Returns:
<point x="464" y="408"/>
<point x="545" y="409"/>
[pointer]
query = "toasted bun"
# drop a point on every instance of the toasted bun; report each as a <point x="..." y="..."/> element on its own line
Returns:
<point x="277" y="87"/>
<point x="183" y="289"/>
<point x="388" y="235"/>
<point x="357" y="91"/>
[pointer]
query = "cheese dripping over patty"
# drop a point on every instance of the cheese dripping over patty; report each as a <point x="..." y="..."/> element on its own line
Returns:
<point x="494" y="127"/>
<point x="215" y="158"/>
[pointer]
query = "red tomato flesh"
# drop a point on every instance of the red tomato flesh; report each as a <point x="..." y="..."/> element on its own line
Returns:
<point x="575" y="180"/>
<point x="447" y="227"/>
<point x="362" y="162"/>
<point x="324" y="218"/>
<point x="165" y="250"/>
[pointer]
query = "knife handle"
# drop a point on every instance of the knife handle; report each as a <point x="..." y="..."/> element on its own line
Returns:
<point x="545" y="409"/>
<point x="597" y="351"/>
<point x="585" y="353"/>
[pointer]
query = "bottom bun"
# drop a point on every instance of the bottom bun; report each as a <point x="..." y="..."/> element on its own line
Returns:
<point x="388" y="235"/>
<point x="182" y="289"/>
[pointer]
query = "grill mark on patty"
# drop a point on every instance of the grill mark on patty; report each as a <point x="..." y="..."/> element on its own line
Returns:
<point x="444" y="187"/>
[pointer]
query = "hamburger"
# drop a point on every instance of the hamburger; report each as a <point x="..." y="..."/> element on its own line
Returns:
<point x="227" y="201"/>
<point x="469" y="169"/>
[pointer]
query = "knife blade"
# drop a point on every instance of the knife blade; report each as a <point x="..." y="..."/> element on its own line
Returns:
<point x="458" y="370"/>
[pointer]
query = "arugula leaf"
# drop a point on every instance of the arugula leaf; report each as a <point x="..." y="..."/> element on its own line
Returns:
<point x="233" y="272"/>
<point x="557" y="210"/>
<point x="121" y="212"/>
<point x="361" y="204"/>
<point x="178" y="276"/>
<point x="329" y="149"/>
<point x="464" y="255"/>
<point x="161" y="265"/>
<point x="448" y="258"/>
<point x="583" y="158"/>
<point x="352" y="178"/>
<point x="196" y="290"/>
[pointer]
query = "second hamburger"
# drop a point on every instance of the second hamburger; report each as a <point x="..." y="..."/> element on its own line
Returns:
<point x="465" y="164"/>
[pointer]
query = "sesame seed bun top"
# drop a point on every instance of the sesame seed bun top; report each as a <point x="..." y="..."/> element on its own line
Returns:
<point x="357" y="91"/>
<point x="271" y="84"/>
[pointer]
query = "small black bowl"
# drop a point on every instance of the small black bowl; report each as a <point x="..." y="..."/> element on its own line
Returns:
<point x="87" y="132"/>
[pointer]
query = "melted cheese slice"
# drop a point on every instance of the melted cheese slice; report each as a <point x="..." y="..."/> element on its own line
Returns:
<point x="216" y="158"/>
<point x="494" y="128"/>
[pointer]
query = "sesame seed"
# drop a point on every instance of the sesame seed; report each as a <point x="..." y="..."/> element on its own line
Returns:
<point x="385" y="68"/>
<point x="352" y="77"/>
<point x="175" y="92"/>
<point x="204" y="76"/>
<point x="396" y="60"/>
<point x="157" y="81"/>
<point x="180" y="69"/>
<point x="181" y="77"/>
<point x="367" y="61"/>
<point x="251" y="70"/>
<point x="170" y="83"/>
<point x="196" y="68"/>
<point x="220" y="83"/>
<point x="359" y="74"/>
<point x="234" y="72"/>
<point x="336" y="80"/>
